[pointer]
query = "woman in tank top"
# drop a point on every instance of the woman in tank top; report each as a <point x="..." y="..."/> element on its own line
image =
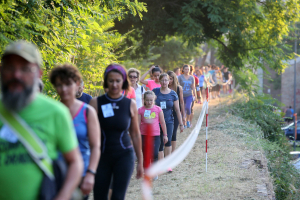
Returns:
<point x="174" y="85"/>
<point x="155" y="73"/>
<point x="189" y="92"/>
<point x="66" y="80"/>
<point x="117" y="115"/>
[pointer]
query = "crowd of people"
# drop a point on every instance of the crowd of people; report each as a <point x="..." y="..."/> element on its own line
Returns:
<point x="98" y="140"/>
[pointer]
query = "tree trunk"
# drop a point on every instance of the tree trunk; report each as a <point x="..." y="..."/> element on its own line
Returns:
<point x="212" y="55"/>
<point x="205" y="49"/>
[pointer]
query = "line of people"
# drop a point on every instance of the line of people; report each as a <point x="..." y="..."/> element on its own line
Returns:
<point x="99" y="139"/>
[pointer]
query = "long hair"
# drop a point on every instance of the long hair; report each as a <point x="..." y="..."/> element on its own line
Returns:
<point x="175" y="80"/>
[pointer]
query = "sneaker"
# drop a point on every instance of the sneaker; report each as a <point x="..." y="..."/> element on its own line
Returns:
<point x="170" y="170"/>
<point x="188" y="124"/>
<point x="155" y="178"/>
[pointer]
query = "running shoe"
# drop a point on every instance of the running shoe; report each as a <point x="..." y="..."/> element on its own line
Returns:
<point x="170" y="170"/>
<point x="155" y="178"/>
<point x="188" y="124"/>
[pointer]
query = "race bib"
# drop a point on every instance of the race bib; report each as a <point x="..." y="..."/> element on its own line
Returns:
<point x="7" y="134"/>
<point x="163" y="105"/>
<point x="147" y="113"/>
<point x="198" y="88"/>
<point x="107" y="110"/>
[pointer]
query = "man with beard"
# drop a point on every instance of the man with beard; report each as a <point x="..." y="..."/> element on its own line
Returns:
<point x="81" y="96"/>
<point x="49" y="120"/>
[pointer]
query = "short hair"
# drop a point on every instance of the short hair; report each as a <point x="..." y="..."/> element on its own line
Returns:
<point x="191" y="68"/>
<point x="175" y="69"/>
<point x="132" y="70"/>
<point x="64" y="73"/>
<point x="126" y="84"/>
<point x="163" y="75"/>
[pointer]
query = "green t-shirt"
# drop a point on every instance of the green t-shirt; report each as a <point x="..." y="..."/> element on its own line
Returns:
<point x="20" y="177"/>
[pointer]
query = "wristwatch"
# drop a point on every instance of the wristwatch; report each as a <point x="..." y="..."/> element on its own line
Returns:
<point x="91" y="171"/>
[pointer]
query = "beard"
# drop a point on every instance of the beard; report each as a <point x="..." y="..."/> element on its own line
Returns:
<point x="16" y="101"/>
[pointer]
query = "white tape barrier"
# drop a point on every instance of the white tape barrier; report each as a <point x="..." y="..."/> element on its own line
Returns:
<point x="179" y="154"/>
<point x="175" y="158"/>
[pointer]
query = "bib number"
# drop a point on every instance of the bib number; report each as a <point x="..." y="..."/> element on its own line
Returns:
<point x="163" y="105"/>
<point x="107" y="110"/>
<point x="147" y="113"/>
<point x="7" y="134"/>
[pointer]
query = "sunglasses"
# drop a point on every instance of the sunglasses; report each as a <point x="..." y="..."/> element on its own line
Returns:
<point x="132" y="76"/>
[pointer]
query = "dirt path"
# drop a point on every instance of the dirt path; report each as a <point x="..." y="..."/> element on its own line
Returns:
<point x="232" y="172"/>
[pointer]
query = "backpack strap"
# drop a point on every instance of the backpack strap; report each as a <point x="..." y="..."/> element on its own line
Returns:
<point x="33" y="144"/>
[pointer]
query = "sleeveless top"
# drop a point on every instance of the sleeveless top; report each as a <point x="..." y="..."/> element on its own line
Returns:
<point x="80" y="125"/>
<point x="114" y="129"/>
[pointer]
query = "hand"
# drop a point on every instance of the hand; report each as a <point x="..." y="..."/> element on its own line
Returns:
<point x="139" y="171"/>
<point x="165" y="139"/>
<point x="152" y="67"/>
<point x="181" y="128"/>
<point x="87" y="183"/>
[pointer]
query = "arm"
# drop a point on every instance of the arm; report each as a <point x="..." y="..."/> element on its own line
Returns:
<point x="193" y="88"/>
<point x="94" y="104"/>
<point x="142" y="79"/>
<point x="176" y="106"/>
<point x="182" y="104"/>
<point x="163" y="126"/>
<point x="73" y="177"/>
<point x="94" y="142"/>
<point x="136" y="138"/>
<point x="139" y="120"/>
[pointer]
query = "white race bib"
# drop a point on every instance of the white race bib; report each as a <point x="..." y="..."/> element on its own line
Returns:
<point x="198" y="89"/>
<point x="107" y="110"/>
<point x="7" y="134"/>
<point x="147" y="113"/>
<point x="163" y="105"/>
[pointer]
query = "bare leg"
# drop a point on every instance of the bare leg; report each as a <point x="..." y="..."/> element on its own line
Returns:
<point x="160" y="155"/>
<point x="173" y="143"/>
<point x="168" y="151"/>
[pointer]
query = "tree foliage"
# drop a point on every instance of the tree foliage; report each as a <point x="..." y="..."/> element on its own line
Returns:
<point x="249" y="33"/>
<point x="68" y="31"/>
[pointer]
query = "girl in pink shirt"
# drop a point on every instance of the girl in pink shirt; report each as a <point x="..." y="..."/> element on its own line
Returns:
<point x="155" y="72"/>
<point x="152" y="114"/>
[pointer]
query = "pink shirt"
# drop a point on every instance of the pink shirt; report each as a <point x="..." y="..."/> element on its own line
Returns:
<point x="154" y="115"/>
<point x="151" y="85"/>
<point x="130" y="94"/>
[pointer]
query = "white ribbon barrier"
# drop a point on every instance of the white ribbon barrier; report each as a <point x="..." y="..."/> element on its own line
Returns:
<point x="175" y="158"/>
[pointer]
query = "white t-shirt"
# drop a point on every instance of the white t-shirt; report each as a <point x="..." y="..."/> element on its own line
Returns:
<point x="139" y="96"/>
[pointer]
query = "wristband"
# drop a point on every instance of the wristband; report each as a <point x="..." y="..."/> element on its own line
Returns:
<point x="165" y="135"/>
<point x="91" y="171"/>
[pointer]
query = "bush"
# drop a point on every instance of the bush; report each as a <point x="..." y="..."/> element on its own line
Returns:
<point x="259" y="110"/>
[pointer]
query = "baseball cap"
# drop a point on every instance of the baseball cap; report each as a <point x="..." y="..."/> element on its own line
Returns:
<point x="26" y="50"/>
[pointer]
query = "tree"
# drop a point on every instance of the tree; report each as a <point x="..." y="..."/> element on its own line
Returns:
<point x="249" y="34"/>
<point x="68" y="31"/>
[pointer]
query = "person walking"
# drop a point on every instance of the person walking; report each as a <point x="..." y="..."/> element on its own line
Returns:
<point x="153" y="115"/>
<point x="81" y="96"/>
<point x="134" y="76"/>
<point x="167" y="99"/>
<point x="151" y="84"/>
<point x="47" y="121"/>
<point x="174" y="85"/>
<point x="66" y="80"/>
<point x="197" y="91"/>
<point x="200" y="76"/>
<point x="207" y="81"/>
<point x="187" y="83"/>
<point x="118" y="116"/>
<point x="218" y="79"/>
